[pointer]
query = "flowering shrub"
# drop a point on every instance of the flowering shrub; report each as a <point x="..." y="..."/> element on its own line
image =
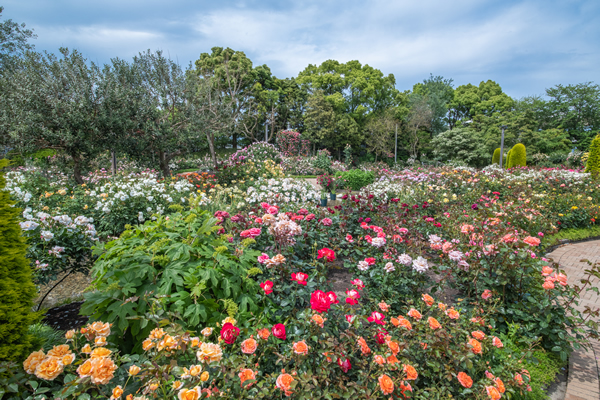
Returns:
<point x="291" y="143"/>
<point x="277" y="191"/>
<point x="256" y="152"/>
<point x="57" y="244"/>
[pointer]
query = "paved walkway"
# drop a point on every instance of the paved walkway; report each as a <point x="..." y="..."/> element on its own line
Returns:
<point x="583" y="381"/>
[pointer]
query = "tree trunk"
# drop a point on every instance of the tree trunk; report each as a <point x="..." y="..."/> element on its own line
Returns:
<point x="164" y="164"/>
<point x="76" y="169"/>
<point x="211" y="146"/>
<point x="235" y="140"/>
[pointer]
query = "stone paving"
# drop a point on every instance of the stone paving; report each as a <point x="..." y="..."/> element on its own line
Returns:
<point x="583" y="383"/>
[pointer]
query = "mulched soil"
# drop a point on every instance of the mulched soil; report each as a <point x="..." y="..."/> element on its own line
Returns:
<point x="65" y="317"/>
<point x="71" y="288"/>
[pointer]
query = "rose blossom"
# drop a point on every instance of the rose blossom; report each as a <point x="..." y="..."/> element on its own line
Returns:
<point x="279" y="331"/>
<point x="267" y="286"/>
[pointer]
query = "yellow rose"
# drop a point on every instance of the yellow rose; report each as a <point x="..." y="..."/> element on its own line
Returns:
<point x="100" y="352"/>
<point x="134" y="370"/>
<point x="100" y="329"/>
<point x="49" y="368"/>
<point x="31" y="363"/>
<point x="69" y="335"/>
<point x="189" y="394"/>
<point x="85" y="369"/>
<point x="86" y="349"/>
<point x="209" y="352"/>
<point x="68" y="359"/>
<point x="204" y="377"/>
<point x="195" y="370"/>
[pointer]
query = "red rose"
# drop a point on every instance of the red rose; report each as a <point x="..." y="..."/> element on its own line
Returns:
<point x="344" y="365"/>
<point x="319" y="301"/>
<point x="332" y="297"/>
<point x="326" y="253"/>
<point x="229" y="333"/>
<point x="370" y="260"/>
<point x="267" y="286"/>
<point x="300" y="277"/>
<point x="279" y="331"/>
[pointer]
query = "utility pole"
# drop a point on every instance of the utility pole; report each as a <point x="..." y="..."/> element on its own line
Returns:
<point x="113" y="162"/>
<point x="502" y="147"/>
<point x="396" y="147"/>
<point x="266" y="133"/>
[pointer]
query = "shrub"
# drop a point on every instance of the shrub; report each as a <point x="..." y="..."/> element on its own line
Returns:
<point x="356" y="179"/>
<point x="518" y="156"/>
<point x="181" y="257"/>
<point x="507" y="158"/>
<point x="17" y="291"/>
<point x="593" y="160"/>
<point x="496" y="156"/>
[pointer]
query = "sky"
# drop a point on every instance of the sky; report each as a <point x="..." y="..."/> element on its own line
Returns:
<point x="525" y="46"/>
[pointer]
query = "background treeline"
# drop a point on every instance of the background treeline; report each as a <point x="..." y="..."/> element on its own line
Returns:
<point x="152" y="110"/>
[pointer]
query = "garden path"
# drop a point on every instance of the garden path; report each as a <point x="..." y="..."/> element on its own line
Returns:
<point x="583" y="383"/>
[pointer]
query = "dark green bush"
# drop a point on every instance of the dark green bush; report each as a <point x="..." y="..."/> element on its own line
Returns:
<point x="184" y="261"/>
<point x="356" y="179"/>
<point x="17" y="290"/>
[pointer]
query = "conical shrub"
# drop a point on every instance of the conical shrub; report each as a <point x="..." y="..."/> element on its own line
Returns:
<point x="517" y="156"/>
<point x="593" y="161"/>
<point x="17" y="290"/>
<point x="496" y="156"/>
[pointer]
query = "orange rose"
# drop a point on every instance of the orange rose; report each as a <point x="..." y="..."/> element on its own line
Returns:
<point x="442" y="306"/>
<point x="499" y="385"/>
<point x="411" y="372"/>
<point x="497" y="342"/>
<point x="300" y="347"/>
<point x="433" y="323"/>
<point x="100" y="341"/>
<point x="476" y="346"/>
<point x="379" y="359"/>
<point x="465" y="380"/>
<point x="31" y="363"/>
<point x="249" y="346"/>
<point x="478" y="335"/>
<point x="177" y="385"/>
<point x="189" y="394"/>
<point x="49" y="368"/>
<point x="156" y="333"/>
<point x="424" y="346"/>
<point x="393" y="346"/>
<point x="147" y="344"/>
<point x="414" y="314"/>
<point x="204" y="376"/>
<point x="317" y="319"/>
<point x="195" y="370"/>
<point x="427" y="299"/>
<point x="86" y="349"/>
<point x="168" y="342"/>
<point x="264" y="333"/>
<point x="392" y="360"/>
<point x="395" y="321"/>
<point x="284" y="382"/>
<point x="493" y="393"/>
<point x="386" y="384"/>
<point x="405" y="323"/>
<point x="69" y="335"/>
<point x="100" y="329"/>
<point x="100" y="352"/>
<point x="116" y="392"/>
<point x="452" y="313"/>
<point x="103" y="370"/>
<point x="364" y="347"/>
<point x="85" y="369"/>
<point x="247" y="375"/>
<point x="383" y="306"/>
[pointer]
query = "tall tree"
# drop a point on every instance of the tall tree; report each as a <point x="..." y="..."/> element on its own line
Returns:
<point x="418" y="121"/>
<point x="379" y="133"/>
<point x="439" y="94"/>
<point x="14" y="39"/>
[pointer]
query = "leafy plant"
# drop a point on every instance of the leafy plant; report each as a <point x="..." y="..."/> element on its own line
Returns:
<point x="356" y="179"/>
<point x="518" y="156"/>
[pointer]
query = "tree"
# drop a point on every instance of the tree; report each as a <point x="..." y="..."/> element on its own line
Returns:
<point x="593" y="162"/>
<point x="51" y="102"/>
<point x="13" y="42"/>
<point x="439" y="94"/>
<point x="517" y="156"/>
<point x="17" y="290"/>
<point x="379" y="133"/>
<point x="419" y="118"/>
<point x="496" y="156"/>
<point x="461" y="144"/>
<point x="576" y="109"/>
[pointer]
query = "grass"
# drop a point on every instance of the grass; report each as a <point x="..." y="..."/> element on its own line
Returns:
<point x="180" y="171"/>
<point x="544" y="367"/>
<point x="303" y="176"/>
<point x="572" y="235"/>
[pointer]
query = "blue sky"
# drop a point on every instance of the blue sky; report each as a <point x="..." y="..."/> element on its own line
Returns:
<point x="525" y="46"/>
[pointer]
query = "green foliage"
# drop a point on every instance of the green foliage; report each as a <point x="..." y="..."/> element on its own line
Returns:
<point x="44" y="336"/>
<point x="496" y="156"/>
<point x="17" y="291"/>
<point x="573" y="235"/>
<point x="183" y="261"/>
<point x="517" y="156"/>
<point x="507" y="158"/>
<point x="356" y="179"/>
<point x="460" y="144"/>
<point x="593" y="162"/>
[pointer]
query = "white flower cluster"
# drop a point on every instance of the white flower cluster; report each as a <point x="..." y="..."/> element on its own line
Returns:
<point x="14" y="180"/>
<point x="284" y="190"/>
<point x="49" y="224"/>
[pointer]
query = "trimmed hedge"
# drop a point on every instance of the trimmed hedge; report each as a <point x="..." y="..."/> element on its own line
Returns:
<point x="496" y="156"/>
<point x="517" y="156"/>
<point x="356" y="179"/>
<point x="593" y="162"/>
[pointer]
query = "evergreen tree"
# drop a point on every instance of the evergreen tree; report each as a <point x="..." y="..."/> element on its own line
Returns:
<point x="17" y="290"/>
<point x="593" y="162"/>
<point x="496" y="156"/>
<point x="517" y="156"/>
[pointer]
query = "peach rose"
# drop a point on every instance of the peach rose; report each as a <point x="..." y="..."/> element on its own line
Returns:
<point x="405" y="323"/>
<point x="189" y="394"/>
<point x="156" y="333"/>
<point x="427" y="299"/>
<point x="209" y="352"/>
<point x="532" y="241"/>
<point x="478" y="335"/>
<point x="86" y="349"/>
<point x="383" y="306"/>
<point x="195" y="370"/>
<point x="204" y="376"/>
<point x="103" y="370"/>
<point x="68" y="359"/>
<point x="379" y="359"/>
<point x="493" y="393"/>
<point x="31" y="363"/>
<point x="411" y="372"/>
<point x="246" y="375"/>
<point x="147" y="344"/>
<point x="207" y="332"/>
<point x="168" y="342"/>
<point x="452" y="313"/>
<point x="70" y="334"/>
<point x="392" y="360"/>
<point x="100" y="329"/>
<point x="85" y="369"/>
<point x="249" y="346"/>
<point x="476" y="346"/>
<point x="500" y="385"/>
<point x="134" y="370"/>
<point x="320" y="321"/>
<point x="395" y="321"/>
<point x="100" y="341"/>
<point x="442" y="306"/>
<point x="393" y="346"/>
<point x="59" y="351"/>
<point x="49" y="368"/>
<point x="364" y="347"/>
<point x="177" y="385"/>
<point x="264" y="333"/>
<point x="100" y="352"/>
<point x="497" y="342"/>
<point x="414" y="314"/>
<point x="284" y="382"/>
<point x="300" y="347"/>
<point x="195" y="341"/>
<point x="386" y="384"/>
